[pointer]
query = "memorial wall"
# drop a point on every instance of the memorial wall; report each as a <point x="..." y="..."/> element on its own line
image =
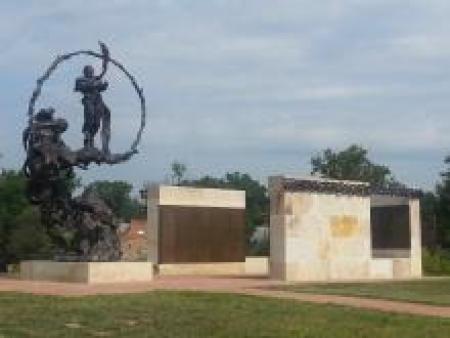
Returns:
<point x="322" y="230"/>
<point x="195" y="225"/>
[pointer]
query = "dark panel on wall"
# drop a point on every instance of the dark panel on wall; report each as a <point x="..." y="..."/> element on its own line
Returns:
<point x="201" y="234"/>
<point x="390" y="227"/>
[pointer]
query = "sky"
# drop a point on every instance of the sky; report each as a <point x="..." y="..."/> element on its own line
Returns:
<point x="256" y="86"/>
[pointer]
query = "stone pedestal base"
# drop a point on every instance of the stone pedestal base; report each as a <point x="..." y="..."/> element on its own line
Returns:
<point x="251" y="266"/>
<point x="218" y="268"/>
<point x="87" y="272"/>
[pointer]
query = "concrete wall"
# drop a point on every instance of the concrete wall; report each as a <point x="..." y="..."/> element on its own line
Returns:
<point x="210" y="269"/>
<point x="416" y="238"/>
<point x="200" y="197"/>
<point x="152" y="223"/>
<point x="401" y="265"/>
<point x="159" y="196"/>
<point x="318" y="236"/>
<point x="87" y="272"/>
<point x="324" y="235"/>
<point x="257" y="266"/>
<point x="253" y="266"/>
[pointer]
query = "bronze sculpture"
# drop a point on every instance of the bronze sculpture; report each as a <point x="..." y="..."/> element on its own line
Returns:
<point x="95" y="110"/>
<point x="50" y="164"/>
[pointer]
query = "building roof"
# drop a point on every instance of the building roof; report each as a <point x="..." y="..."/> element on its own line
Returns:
<point x="344" y="187"/>
<point x="136" y="230"/>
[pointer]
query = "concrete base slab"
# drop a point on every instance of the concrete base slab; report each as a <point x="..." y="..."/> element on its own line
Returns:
<point x="257" y="266"/>
<point x="381" y="268"/>
<point x="86" y="272"/>
<point x="251" y="266"/>
<point x="218" y="268"/>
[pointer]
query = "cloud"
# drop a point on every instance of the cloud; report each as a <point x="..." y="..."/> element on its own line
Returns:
<point x="256" y="86"/>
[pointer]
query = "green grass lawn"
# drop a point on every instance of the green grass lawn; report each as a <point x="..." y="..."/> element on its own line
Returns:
<point x="436" y="291"/>
<point x="190" y="314"/>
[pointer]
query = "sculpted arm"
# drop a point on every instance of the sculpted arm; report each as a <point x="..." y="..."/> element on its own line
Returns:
<point x="85" y="85"/>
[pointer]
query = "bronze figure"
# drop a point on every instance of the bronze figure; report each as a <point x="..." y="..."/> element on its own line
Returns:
<point x="50" y="164"/>
<point x="95" y="110"/>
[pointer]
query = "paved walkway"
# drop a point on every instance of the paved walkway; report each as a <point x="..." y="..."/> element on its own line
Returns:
<point x="241" y="285"/>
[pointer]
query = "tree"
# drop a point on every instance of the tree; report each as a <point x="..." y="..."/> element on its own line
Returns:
<point x="12" y="203"/>
<point x="28" y="238"/>
<point x="178" y="172"/>
<point x="257" y="200"/>
<point x="21" y="233"/>
<point x="428" y="216"/>
<point x="116" y="195"/>
<point x="443" y="207"/>
<point x="352" y="163"/>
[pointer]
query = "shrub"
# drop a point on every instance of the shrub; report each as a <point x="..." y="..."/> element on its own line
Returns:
<point x="436" y="262"/>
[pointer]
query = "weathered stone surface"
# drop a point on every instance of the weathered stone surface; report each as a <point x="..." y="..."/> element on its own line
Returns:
<point x="252" y="266"/>
<point x="219" y="268"/>
<point x="202" y="197"/>
<point x="321" y="234"/>
<point x="315" y="184"/>
<point x="257" y="266"/>
<point x="416" y="238"/>
<point x="381" y="268"/>
<point x="86" y="272"/>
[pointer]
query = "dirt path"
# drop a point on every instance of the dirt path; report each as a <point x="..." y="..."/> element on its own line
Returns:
<point x="363" y="303"/>
<point x="240" y="285"/>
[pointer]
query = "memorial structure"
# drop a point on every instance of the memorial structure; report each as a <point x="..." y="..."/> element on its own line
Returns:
<point x="196" y="230"/>
<point x="320" y="230"/>
<point x="326" y="230"/>
<point x="94" y="251"/>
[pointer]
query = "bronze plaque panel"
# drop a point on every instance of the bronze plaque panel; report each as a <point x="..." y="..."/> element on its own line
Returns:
<point x="201" y="234"/>
<point x="390" y="227"/>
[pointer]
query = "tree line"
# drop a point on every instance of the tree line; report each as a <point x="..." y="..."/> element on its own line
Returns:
<point x="22" y="235"/>
<point x="351" y="163"/>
